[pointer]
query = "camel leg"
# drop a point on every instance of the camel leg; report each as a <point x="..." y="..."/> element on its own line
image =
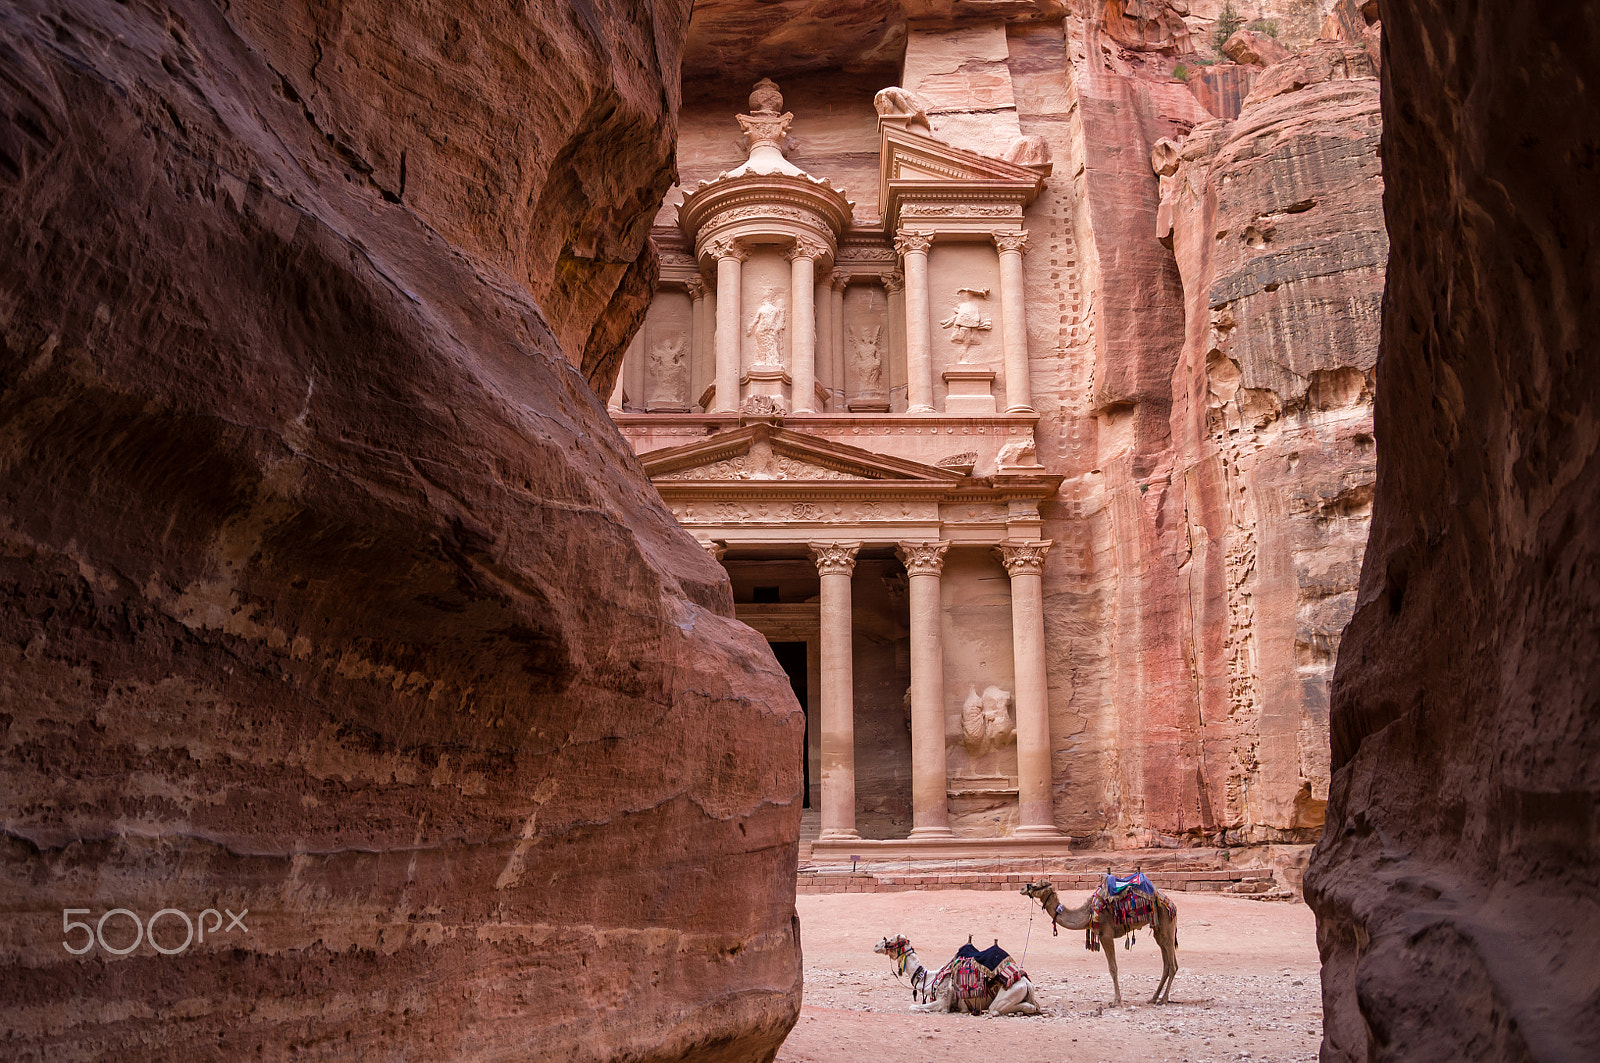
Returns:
<point x="1168" y="940"/>
<point x="1108" y="944"/>
<point x="1019" y="998"/>
<point x="938" y="1004"/>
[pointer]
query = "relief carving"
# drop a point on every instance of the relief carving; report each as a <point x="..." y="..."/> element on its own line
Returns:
<point x="865" y="364"/>
<point x="1018" y="454"/>
<point x="766" y="326"/>
<point x="966" y="321"/>
<point x="986" y="722"/>
<point x="669" y="372"/>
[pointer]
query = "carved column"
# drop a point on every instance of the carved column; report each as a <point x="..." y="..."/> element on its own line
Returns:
<point x="929" y="806"/>
<point x="823" y="293"/>
<point x="894" y="289"/>
<point x="730" y="259"/>
<point x="839" y="281"/>
<point x="913" y="248"/>
<point x="614" y="403"/>
<point x="835" y="564"/>
<point x="697" y="339"/>
<point x="1014" y="321"/>
<point x="1024" y="563"/>
<point x="803" y="337"/>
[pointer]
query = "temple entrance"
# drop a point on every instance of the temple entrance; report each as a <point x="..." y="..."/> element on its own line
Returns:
<point x="792" y="657"/>
<point x="777" y="591"/>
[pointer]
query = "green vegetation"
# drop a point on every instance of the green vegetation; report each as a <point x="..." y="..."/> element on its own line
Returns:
<point x="1228" y="22"/>
<point x="1180" y="72"/>
<point x="1265" y="26"/>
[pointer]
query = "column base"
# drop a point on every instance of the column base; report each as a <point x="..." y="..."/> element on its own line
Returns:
<point x="921" y="409"/>
<point x="930" y="833"/>
<point x="1021" y="409"/>
<point x="835" y="834"/>
<point x="1037" y="831"/>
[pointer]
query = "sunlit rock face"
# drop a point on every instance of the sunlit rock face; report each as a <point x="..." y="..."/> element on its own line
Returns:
<point x="1455" y="884"/>
<point x="1275" y="219"/>
<point x="330" y="591"/>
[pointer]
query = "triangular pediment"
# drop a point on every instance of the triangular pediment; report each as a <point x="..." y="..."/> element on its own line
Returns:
<point x="764" y="452"/>
<point x="905" y="155"/>
<point x="937" y="180"/>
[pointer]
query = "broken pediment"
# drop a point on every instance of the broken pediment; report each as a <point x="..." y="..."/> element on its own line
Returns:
<point x="763" y="452"/>
<point x="920" y="176"/>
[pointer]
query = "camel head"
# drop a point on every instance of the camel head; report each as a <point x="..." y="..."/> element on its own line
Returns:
<point x="1038" y="890"/>
<point x="893" y="947"/>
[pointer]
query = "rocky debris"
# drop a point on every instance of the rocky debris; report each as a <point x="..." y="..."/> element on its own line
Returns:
<point x="331" y="595"/>
<point x="1254" y="49"/>
<point x="1455" y="882"/>
<point x="1272" y="424"/>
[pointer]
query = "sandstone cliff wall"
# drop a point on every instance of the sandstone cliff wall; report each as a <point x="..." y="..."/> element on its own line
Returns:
<point x="329" y="591"/>
<point x="1275" y="222"/>
<point x="1456" y="883"/>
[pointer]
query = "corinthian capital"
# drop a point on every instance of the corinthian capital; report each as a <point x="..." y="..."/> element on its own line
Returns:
<point x="1023" y="558"/>
<point x="1011" y="240"/>
<point x="695" y="287"/>
<point x="834" y="558"/>
<point x="924" y="558"/>
<point x="907" y="241"/>
<point x="893" y="282"/>
<point x="804" y="248"/>
<point x="721" y="249"/>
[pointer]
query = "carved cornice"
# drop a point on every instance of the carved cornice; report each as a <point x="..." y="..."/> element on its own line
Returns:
<point x="834" y="559"/>
<point x="1023" y="558"/>
<point x="1011" y="241"/>
<point x="923" y="558"/>
<point x="912" y="241"/>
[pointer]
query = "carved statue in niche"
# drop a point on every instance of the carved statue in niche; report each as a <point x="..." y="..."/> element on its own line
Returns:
<point x="966" y="321"/>
<point x="669" y="371"/>
<point x="986" y="720"/>
<point x="767" y="328"/>
<point x="865" y="364"/>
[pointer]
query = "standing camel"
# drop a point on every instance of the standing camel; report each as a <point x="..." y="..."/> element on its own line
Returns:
<point x="1101" y="919"/>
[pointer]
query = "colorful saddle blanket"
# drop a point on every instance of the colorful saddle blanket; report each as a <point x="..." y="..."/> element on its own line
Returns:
<point x="1124" y="901"/>
<point x="977" y="976"/>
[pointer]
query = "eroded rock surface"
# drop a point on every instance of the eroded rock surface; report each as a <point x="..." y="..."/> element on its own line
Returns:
<point x="1276" y="225"/>
<point x="330" y="592"/>
<point x="1456" y="882"/>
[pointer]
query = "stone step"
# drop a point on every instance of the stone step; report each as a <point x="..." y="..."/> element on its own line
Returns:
<point x="1257" y="882"/>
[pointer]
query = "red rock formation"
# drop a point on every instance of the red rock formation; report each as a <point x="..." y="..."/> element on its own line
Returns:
<point x="1456" y="882"/>
<point x="1282" y="265"/>
<point x="1254" y="49"/>
<point x="330" y="592"/>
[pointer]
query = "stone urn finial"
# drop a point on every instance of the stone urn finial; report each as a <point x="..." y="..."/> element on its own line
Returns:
<point x="765" y="98"/>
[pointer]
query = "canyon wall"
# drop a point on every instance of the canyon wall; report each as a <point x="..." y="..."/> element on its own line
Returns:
<point x="331" y="597"/>
<point x="1456" y="883"/>
<point x="1213" y="415"/>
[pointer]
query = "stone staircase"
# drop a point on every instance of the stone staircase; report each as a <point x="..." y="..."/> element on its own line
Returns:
<point x="810" y="827"/>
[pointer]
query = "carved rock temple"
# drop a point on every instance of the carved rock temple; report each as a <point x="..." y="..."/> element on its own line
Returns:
<point x="1053" y="530"/>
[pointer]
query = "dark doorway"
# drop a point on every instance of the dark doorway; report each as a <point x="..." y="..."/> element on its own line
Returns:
<point x="792" y="657"/>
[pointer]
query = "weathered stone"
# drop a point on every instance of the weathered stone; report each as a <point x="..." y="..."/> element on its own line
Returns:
<point x="1275" y="224"/>
<point x="1455" y="883"/>
<point x="330" y="592"/>
<point x="1254" y="49"/>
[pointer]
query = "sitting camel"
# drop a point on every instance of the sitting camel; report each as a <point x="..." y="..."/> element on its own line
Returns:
<point x="1101" y="915"/>
<point x="967" y="983"/>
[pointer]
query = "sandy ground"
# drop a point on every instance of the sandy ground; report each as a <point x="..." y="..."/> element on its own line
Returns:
<point x="1247" y="984"/>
